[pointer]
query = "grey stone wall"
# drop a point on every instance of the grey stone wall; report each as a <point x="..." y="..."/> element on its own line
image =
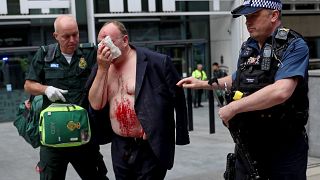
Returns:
<point x="313" y="126"/>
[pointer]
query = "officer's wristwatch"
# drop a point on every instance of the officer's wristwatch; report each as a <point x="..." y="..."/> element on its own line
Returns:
<point x="213" y="80"/>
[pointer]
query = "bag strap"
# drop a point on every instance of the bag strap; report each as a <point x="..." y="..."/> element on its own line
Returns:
<point x="31" y="97"/>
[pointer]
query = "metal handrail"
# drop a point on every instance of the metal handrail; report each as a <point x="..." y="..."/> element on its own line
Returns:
<point x="19" y="49"/>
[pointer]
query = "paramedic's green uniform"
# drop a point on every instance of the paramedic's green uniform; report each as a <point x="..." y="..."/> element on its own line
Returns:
<point x="57" y="72"/>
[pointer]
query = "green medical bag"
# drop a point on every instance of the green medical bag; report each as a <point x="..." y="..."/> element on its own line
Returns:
<point x="64" y="125"/>
<point x="27" y="120"/>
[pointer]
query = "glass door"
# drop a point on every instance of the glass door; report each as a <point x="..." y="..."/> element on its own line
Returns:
<point x="178" y="54"/>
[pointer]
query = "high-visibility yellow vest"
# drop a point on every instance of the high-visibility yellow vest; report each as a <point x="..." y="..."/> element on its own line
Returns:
<point x="199" y="74"/>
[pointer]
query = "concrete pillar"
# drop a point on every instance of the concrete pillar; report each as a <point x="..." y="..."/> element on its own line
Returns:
<point x="313" y="125"/>
<point x="91" y="22"/>
<point x="3" y="7"/>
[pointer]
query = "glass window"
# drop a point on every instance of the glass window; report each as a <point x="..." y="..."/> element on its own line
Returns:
<point x="170" y="31"/>
<point x="12" y="36"/>
<point x="198" y="27"/>
<point x="192" y="6"/>
<point x="101" y="6"/>
<point x="13" y="68"/>
<point x="314" y="52"/>
<point x="146" y="31"/>
<point x="314" y="47"/>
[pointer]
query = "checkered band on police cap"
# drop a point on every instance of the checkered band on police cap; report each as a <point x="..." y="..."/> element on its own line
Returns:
<point x="269" y="4"/>
<point x="252" y="6"/>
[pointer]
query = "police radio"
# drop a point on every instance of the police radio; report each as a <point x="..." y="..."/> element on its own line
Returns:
<point x="266" y="60"/>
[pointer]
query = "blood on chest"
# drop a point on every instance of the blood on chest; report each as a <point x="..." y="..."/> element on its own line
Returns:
<point x="121" y="97"/>
<point x="126" y="117"/>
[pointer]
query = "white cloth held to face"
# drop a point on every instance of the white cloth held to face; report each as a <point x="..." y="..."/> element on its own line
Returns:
<point x="55" y="94"/>
<point x="115" y="51"/>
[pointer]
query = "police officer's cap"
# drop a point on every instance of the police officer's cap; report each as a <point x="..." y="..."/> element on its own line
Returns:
<point x="252" y="6"/>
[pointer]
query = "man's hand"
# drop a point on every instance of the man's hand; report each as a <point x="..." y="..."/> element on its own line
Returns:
<point x="192" y="83"/>
<point x="55" y="94"/>
<point x="27" y="104"/>
<point x="115" y="51"/>
<point x="104" y="57"/>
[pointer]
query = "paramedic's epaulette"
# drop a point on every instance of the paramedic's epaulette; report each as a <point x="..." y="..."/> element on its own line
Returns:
<point x="86" y="45"/>
<point x="49" y="51"/>
<point x="282" y="33"/>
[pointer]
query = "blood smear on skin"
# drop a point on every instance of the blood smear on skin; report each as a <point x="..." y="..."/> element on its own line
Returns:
<point x="126" y="117"/>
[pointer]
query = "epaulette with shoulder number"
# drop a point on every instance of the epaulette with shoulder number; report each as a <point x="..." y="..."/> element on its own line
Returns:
<point x="283" y="39"/>
<point x="49" y="51"/>
<point x="86" y="45"/>
<point x="282" y="33"/>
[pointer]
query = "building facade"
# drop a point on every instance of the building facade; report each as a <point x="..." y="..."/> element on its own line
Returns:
<point x="190" y="31"/>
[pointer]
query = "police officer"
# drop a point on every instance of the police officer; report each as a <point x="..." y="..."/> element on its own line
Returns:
<point x="269" y="101"/>
<point x="59" y="73"/>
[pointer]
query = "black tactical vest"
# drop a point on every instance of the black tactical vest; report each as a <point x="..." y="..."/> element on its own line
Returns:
<point x="256" y="71"/>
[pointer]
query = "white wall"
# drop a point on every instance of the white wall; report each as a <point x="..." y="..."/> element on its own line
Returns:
<point x="226" y="37"/>
<point x="314" y="123"/>
<point x="221" y="39"/>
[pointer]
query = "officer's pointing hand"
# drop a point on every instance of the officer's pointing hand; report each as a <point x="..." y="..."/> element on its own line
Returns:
<point x="191" y="82"/>
<point x="55" y="94"/>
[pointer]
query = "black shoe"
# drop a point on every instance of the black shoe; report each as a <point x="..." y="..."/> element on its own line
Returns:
<point x="200" y="105"/>
<point x="195" y="106"/>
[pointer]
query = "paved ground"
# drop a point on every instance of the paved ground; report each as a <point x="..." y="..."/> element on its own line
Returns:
<point x="203" y="159"/>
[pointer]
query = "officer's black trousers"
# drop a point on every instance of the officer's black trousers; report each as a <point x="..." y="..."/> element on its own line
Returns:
<point x="134" y="159"/>
<point x="86" y="160"/>
<point x="284" y="163"/>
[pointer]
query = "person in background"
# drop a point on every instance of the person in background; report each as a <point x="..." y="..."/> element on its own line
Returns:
<point x="201" y="75"/>
<point x="269" y="101"/>
<point x="218" y="73"/>
<point x="139" y="88"/>
<point x="62" y="79"/>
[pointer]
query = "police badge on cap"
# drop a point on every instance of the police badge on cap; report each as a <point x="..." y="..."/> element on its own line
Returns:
<point x="252" y="6"/>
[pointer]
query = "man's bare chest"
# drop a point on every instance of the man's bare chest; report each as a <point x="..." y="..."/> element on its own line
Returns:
<point x="121" y="83"/>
